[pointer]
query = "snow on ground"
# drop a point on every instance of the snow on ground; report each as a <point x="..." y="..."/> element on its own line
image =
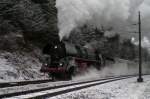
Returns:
<point x="122" y="89"/>
<point x="19" y="66"/>
<point x="6" y="68"/>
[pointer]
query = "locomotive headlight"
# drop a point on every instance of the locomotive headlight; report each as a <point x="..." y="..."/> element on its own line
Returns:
<point x="60" y="64"/>
<point x="55" y="47"/>
<point x="45" y="64"/>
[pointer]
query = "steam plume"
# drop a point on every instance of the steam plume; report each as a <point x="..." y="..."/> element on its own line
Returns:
<point x="74" y="13"/>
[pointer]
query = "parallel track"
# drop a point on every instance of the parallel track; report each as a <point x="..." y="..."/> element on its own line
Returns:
<point x="48" y="95"/>
<point x="21" y="83"/>
<point x="110" y="79"/>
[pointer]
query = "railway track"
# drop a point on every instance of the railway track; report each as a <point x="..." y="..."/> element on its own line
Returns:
<point x="59" y="89"/>
<point x="21" y="83"/>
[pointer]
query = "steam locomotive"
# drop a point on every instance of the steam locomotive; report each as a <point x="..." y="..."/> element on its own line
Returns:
<point x="64" y="60"/>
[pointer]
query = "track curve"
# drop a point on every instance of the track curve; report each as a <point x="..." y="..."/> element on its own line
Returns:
<point x="86" y="84"/>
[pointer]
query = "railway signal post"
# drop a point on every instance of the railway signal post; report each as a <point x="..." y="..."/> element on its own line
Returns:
<point x="140" y="79"/>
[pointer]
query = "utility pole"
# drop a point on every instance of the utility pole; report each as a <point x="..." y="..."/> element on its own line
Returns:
<point x="140" y="79"/>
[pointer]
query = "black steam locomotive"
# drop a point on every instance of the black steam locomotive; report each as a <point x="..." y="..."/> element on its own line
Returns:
<point x="64" y="59"/>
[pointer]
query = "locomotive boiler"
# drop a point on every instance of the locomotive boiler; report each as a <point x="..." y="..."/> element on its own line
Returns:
<point x="64" y="59"/>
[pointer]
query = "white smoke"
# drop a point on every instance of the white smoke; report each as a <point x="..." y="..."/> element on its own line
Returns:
<point x="121" y="67"/>
<point x="145" y="42"/>
<point x="74" y="13"/>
